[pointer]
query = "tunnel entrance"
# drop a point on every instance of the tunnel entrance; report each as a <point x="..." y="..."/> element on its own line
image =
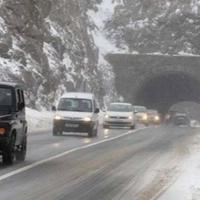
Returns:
<point x="165" y="90"/>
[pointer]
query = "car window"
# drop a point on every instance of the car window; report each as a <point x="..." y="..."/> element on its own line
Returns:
<point x="5" y="97"/>
<point x="140" y="109"/>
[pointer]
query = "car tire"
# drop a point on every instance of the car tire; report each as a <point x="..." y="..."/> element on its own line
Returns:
<point x="8" y="154"/>
<point x="21" y="155"/>
<point x="132" y="127"/>
<point x="56" y="132"/>
<point x="96" y="132"/>
<point x="92" y="132"/>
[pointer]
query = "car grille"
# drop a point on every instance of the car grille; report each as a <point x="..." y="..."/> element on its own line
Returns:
<point x="116" y="117"/>
<point x="119" y="123"/>
<point x="73" y="118"/>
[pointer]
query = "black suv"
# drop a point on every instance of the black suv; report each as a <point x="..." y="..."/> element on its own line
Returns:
<point x="13" y="125"/>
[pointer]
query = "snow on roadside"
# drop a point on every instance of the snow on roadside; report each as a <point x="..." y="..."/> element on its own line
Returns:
<point x="187" y="187"/>
<point x="38" y="121"/>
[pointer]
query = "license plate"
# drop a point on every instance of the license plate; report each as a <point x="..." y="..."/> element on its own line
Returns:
<point x="72" y="125"/>
<point x="119" y="120"/>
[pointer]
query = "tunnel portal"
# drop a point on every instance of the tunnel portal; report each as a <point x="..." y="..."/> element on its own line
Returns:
<point x="163" y="91"/>
<point x="156" y="81"/>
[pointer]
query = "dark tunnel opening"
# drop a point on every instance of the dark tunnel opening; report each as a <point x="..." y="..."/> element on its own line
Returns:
<point x="163" y="91"/>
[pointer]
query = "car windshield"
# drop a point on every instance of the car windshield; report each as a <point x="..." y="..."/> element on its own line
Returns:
<point x="120" y="108"/>
<point x="77" y="105"/>
<point x="152" y="112"/>
<point x="5" y="97"/>
<point x="140" y="109"/>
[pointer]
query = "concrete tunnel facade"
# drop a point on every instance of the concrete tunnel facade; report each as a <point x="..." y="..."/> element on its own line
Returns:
<point x="156" y="81"/>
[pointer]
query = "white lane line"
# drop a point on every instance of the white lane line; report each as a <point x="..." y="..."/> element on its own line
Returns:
<point x="23" y="169"/>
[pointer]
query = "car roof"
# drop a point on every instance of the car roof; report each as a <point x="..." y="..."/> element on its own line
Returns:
<point x="120" y="103"/>
<point x="10" y="84"/>
<point x="136" y="106"/>
<point x="152" y="111"/>
<point x="181" y="114"/>
<point x="78" y="95"/>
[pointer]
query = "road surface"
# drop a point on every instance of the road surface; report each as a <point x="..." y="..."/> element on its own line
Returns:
<point x="119" y="164"/>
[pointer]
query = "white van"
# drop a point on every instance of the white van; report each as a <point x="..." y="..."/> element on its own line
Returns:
<point x="76" y="112"/>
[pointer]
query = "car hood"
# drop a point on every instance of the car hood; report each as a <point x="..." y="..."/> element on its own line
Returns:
<point x="122" y="114"/>
<point x="140" y="114"/>
<point x="69" y="114"/>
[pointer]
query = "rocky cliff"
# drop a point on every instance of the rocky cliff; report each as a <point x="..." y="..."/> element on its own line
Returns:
<point x="47" y="45"/>
<point x="54" y="46"/>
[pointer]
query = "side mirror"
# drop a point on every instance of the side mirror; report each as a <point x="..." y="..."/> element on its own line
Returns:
<point x="53" y="108"/>
<point x="97" y="110"/>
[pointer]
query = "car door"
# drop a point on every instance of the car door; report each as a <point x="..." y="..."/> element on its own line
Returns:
<point x="20" y="115"/>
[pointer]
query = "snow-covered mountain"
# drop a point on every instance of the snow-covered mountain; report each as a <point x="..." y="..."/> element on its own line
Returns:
<point x="48" y="46"/>
<point x="154" y="26"/>
<point x="55" y="46"/>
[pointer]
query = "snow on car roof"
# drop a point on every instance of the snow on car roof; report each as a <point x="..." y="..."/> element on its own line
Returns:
<point x="79" y="95"/>
<point x="136" y="106"/>
<point x="120" y="103"/>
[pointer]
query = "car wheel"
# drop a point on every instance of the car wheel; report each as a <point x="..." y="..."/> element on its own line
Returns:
<point x="21" y="155"/>
<point x="92" y="133"/>
<point x="56" y="132"/>
<point x="9" y="152"/>
<point x="132" y="127"/>
<point x="96" y="132"/>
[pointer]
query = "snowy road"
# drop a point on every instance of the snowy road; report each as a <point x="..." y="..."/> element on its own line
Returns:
<point x="143" y="165"/>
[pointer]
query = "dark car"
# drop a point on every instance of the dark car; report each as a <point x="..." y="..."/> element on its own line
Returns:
<point x="13" y="125"/>
<point x="181" y="119"/>
<point x="177" y="118"/>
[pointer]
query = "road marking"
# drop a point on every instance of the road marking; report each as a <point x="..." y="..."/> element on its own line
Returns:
<point x="26" y="168"/>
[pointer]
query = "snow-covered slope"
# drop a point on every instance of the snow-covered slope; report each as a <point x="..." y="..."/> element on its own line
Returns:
<point x="99" y="17"/>
<point x="55" y="46"/>
<point x="165" y="27"/>
<point x="104" y="12"/>
<point x="47" y="46"/>
<point x="38" y="121"/>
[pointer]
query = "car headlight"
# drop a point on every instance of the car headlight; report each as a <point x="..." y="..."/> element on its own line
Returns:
<point x="2" y="131"/>
<point x="57" y="117"/>
<point x="87" y="119"/>
<point x="130" y="117"/>
<point x="106" y="116"/>
<point x="145" y="117"/>
<point x="157" y="118"/>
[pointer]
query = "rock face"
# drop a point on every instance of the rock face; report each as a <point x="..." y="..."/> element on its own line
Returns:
<point x="47" y="46"/>
<point x="53" y="46"/>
